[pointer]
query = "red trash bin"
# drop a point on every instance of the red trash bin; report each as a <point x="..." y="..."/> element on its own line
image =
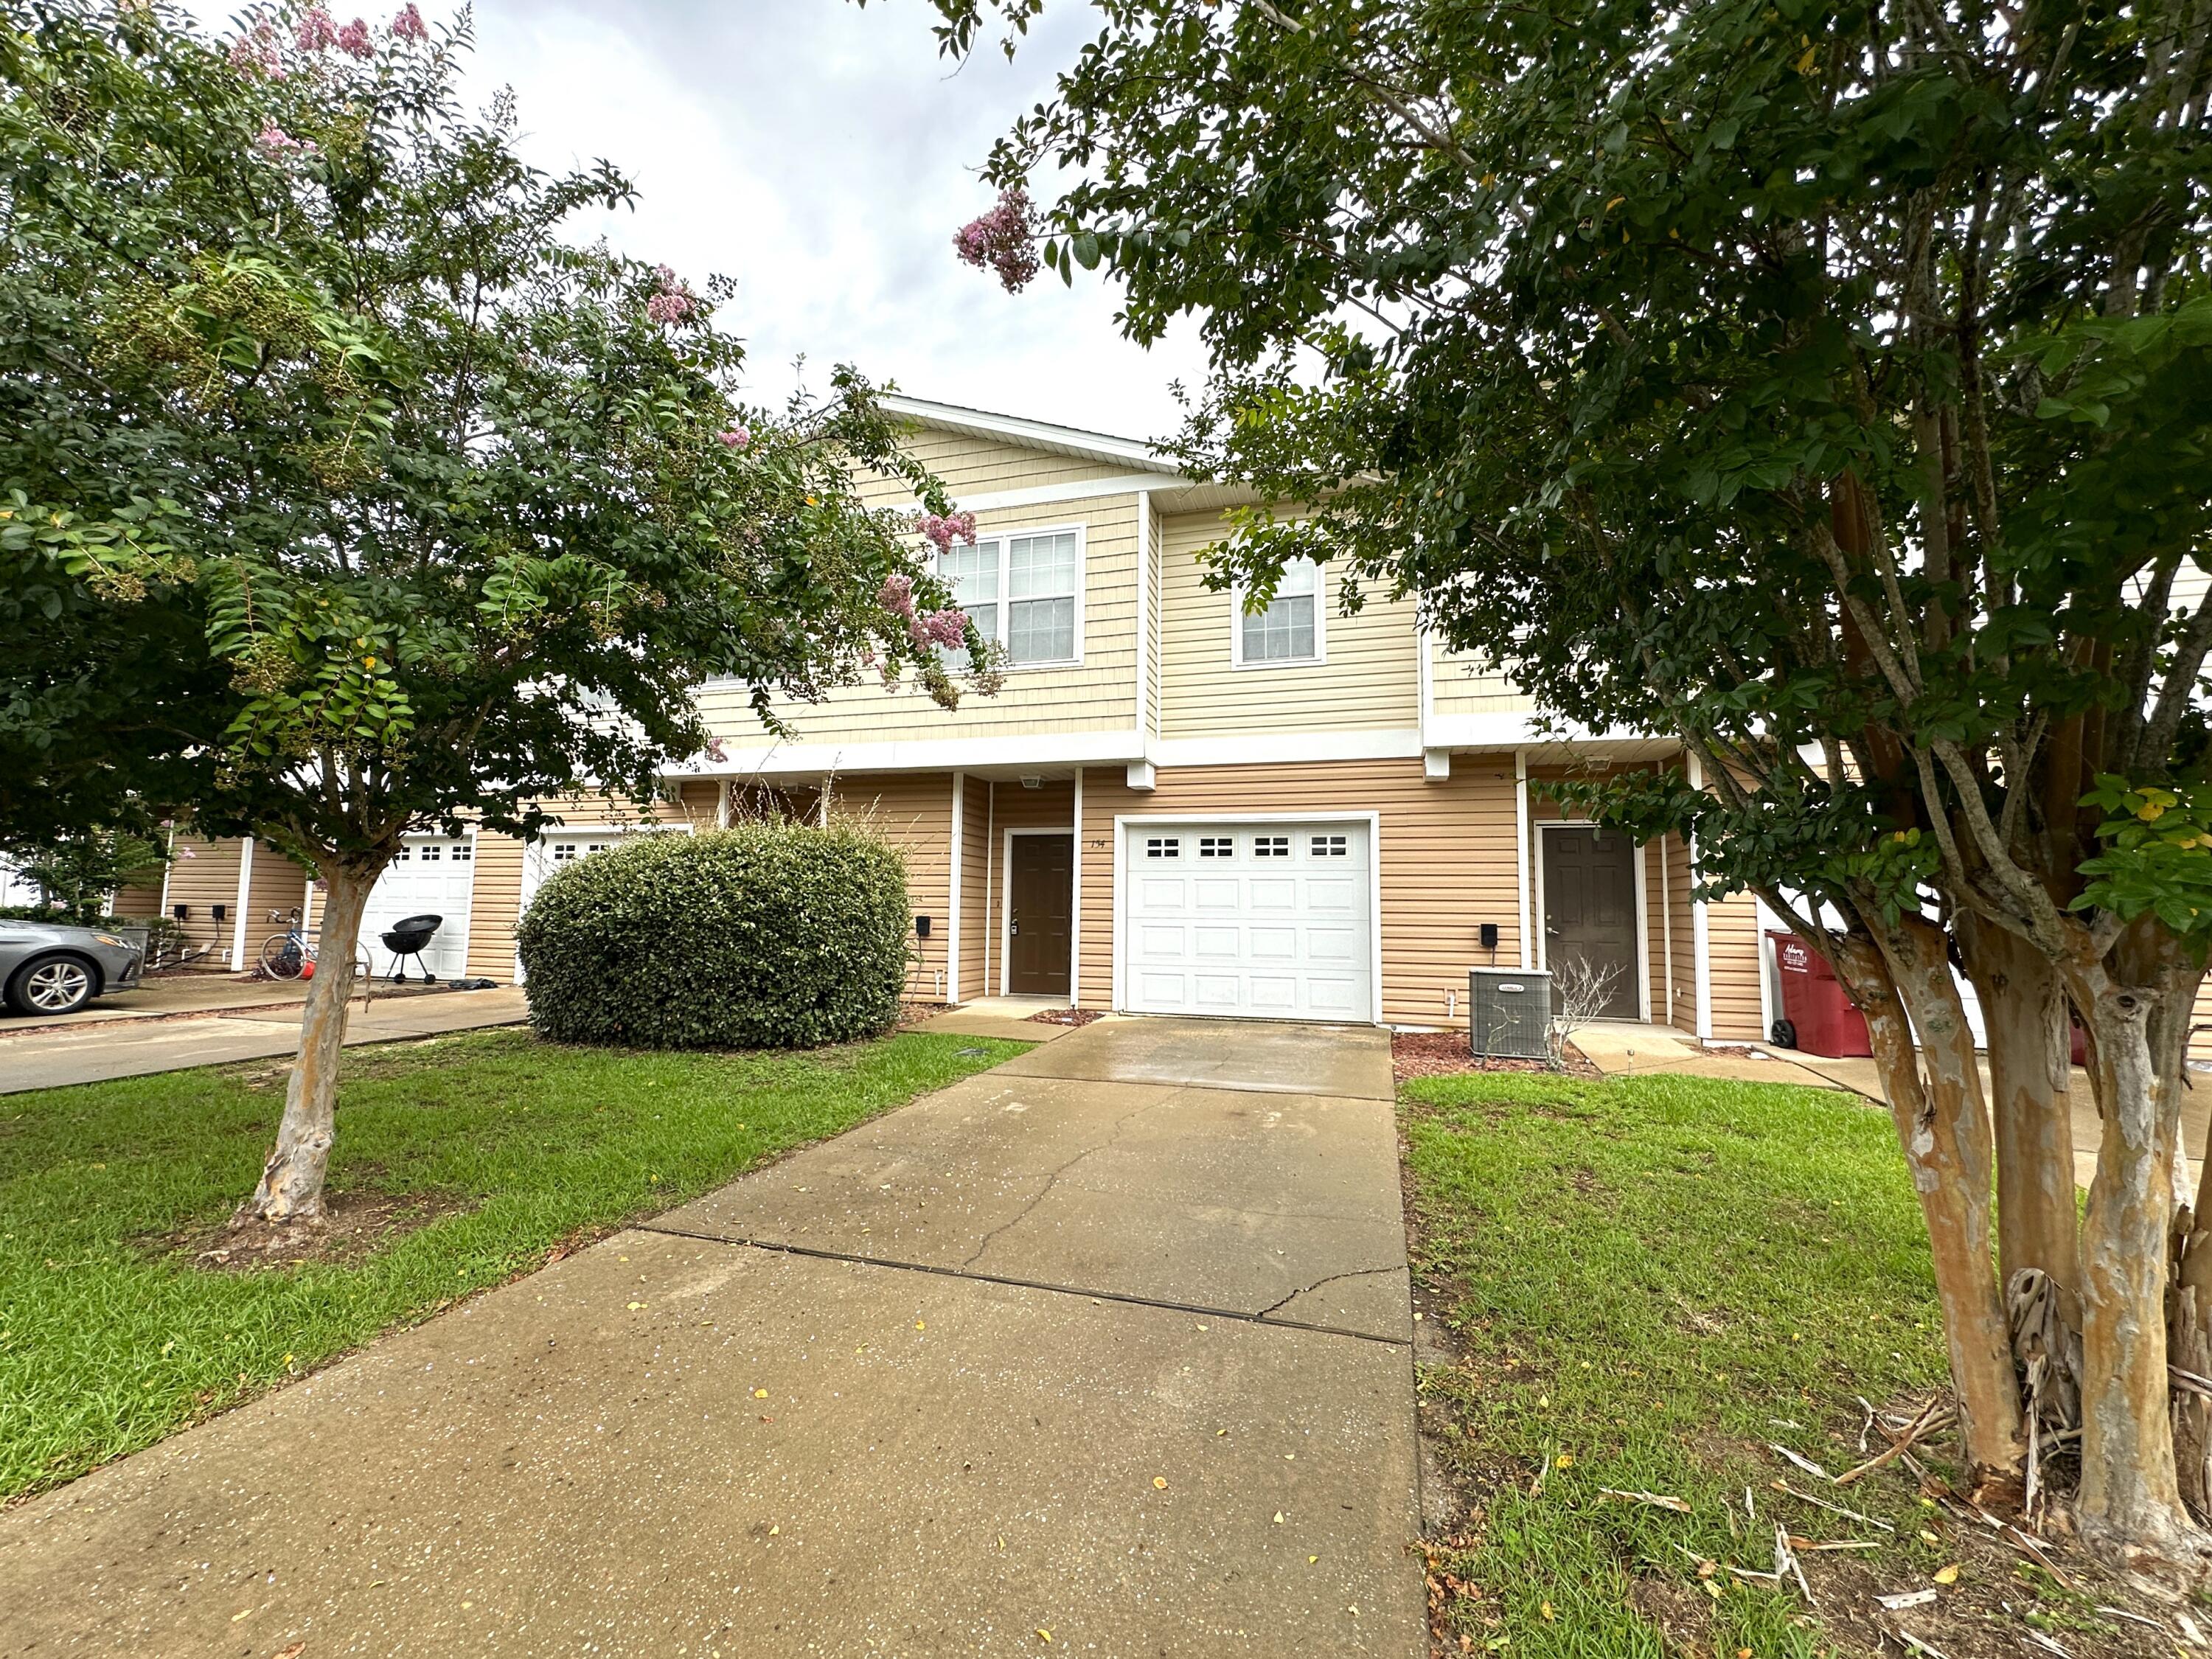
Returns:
<point x="1814" y="1003"/>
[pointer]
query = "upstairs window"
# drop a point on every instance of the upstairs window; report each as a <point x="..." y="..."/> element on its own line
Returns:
<point x="1290" y="630"/>
<point x="1023" y="591"/>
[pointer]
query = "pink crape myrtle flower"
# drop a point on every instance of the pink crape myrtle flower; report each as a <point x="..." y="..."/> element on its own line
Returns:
<point x="941" y="531"/>
<point x="407" y="24"/>
<point x="671" y="303"/>
<point x="737" y="437"/>
<point x="257" y="53"/>
<point x="315" y="30"/>
<point x="947" y="628"/>
<point x="1004" y="240"/>
<point x="353" y="39"/>
<point x="273" y="141"/>
<point x="897" y="596"/>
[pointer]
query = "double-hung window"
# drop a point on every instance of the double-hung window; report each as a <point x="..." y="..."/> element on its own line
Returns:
<point x="1022" y="591"/>
<point x="1290" y="630"/>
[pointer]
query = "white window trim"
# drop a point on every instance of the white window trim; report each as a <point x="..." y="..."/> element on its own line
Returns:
<point x="1129" y="824"/>
<point x="1005" y="601"/>
<point x="1320" y="629"/>
<point x="1007" y="904"/>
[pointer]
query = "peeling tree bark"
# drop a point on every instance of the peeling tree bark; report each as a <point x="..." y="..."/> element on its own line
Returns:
<point x="2024" y="1008"/>
<point x="291" y="1188"/>
<point x="1945" y="1133"/>
<point x="2130" y="1508"/>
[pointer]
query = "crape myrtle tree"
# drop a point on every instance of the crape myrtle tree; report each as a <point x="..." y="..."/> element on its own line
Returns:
<point x="1829" y="386"/>
<point x="462" y="513"/>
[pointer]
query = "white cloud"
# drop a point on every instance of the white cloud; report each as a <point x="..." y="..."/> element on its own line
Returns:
<point x="822" y="155"/>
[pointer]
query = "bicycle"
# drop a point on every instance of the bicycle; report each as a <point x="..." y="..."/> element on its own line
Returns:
<point x="290" y="954"/>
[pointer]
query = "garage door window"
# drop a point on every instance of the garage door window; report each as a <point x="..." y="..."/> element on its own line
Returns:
<point x="1330" y="847"/>
<point x="1271" y="846"/>
<point x="1163" y="847"/>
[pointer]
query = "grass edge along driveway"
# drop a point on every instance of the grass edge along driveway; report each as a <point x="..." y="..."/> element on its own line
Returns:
<point x="111" y="1341"/>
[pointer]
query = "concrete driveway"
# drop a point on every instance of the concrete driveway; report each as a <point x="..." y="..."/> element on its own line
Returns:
<point x="1110" y="1343"/>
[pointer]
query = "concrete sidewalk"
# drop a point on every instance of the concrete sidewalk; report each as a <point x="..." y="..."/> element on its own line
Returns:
<point x="1079" y="1355"/>
<point x="56" y="1059"/>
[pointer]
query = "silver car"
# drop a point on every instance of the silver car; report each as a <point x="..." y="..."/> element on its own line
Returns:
<point x="48" y="969"/>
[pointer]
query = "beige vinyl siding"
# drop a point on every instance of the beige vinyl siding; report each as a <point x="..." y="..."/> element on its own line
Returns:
<point x="205" y="874"/>
<point x="1156" y="566"/>
<point x="913" y="813"/>
<point x="495" y="892"/>
<point x="1458" y="685"/>
<point x="1446" y="853"/>
<point x="1368" y="679"/>
<point x="976" y="910"/>
<point x="1682" y="920"/>
<point x="139" y="901"/>
<point x="276" y="888"/>
<point x="969" y="466"/>
<point x="1098" y="693"/>
<point x="1732" y="949"/>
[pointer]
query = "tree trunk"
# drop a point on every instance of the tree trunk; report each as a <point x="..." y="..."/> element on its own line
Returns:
<point x="2024" y="1008"/>
<point x="1945" y="1131"/>
<point x="2130" y="1509"/>
<point x="291" y="1188"/>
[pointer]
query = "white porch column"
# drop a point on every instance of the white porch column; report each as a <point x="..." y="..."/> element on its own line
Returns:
<point x="1525" y="879"/>
<point x="1075" y="905"/>
<point x="238" y="910"/>
<point x="952" y="906"/>
<point x="1700" y="942"/>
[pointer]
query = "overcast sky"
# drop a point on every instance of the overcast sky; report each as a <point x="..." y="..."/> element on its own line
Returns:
<point x="822" y="156"/>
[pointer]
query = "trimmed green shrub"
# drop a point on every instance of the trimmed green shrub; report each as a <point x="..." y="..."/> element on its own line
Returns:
<point x="766" y="936"/>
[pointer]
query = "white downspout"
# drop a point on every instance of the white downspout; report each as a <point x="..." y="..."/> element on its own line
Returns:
<point x="952" y="905"/>
<point x="1075" y="905"/>
<point x="1700" y="939"/>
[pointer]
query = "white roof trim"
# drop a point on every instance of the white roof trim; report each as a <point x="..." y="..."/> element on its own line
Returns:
<point x="1032" y="435"/>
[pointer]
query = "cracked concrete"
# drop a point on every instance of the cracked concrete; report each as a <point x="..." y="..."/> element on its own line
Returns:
<point x="1151" y="1391"/>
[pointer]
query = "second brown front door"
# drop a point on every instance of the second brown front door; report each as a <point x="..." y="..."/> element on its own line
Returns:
<point x="1590" y="911"/>
<point x="1042" y="872"/>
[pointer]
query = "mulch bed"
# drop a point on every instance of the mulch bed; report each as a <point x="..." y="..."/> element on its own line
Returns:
<point x="357" y="1225"/>
<point x="1063" y="1016"/>
<point x="1445" y="1054"/>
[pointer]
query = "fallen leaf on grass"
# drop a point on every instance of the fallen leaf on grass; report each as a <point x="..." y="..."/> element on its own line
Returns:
<point x="1948" y="1575"/>
<point x="1547" y="1611"/>
<point x="1658" y="1500"/>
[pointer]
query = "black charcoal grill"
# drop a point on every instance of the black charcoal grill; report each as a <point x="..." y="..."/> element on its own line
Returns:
<point x="408" y="937"/>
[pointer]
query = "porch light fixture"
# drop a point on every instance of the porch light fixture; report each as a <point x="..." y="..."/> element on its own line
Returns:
<point x="1032" y="781"/>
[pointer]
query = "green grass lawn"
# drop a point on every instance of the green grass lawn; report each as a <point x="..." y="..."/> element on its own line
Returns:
<point x="108" y="1342"/>
<point x="1647" y="1281"/>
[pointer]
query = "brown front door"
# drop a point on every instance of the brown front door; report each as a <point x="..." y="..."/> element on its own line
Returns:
<point x="1042" y="868"/>
<point x="1590" y="911"/>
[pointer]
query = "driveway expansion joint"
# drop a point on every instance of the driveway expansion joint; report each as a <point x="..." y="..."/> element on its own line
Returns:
<point x="777" y="1247"/>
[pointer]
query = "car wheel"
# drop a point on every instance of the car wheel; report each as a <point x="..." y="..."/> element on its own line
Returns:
<point x="52" y="985"/>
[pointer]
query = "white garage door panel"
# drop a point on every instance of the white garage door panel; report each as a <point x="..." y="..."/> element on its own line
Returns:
<point x="432" y="875"/>
<point x="1259" y="919"/>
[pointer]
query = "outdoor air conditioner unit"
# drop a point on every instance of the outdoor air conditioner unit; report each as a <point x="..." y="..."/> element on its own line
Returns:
<point x="1508" y="1013"/>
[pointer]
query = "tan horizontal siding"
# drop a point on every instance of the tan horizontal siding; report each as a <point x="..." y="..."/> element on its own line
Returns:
<point x="975" y="907"/>
<point x="205" y="874"/>
<point x="969" y="466"/>
<point x="1097" y="694"/>
<point x="1368" y="678"/>
<point x="1447" y="863"/>
<point x="1732" y="948"/>
<point x="913" y="813"/>
<point x="137" y="901"/>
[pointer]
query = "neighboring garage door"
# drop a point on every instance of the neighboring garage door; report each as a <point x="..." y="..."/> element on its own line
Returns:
<point x="1253" y="919"/>
<point x="434" y="875"/>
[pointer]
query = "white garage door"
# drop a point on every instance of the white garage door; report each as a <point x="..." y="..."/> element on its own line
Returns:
<point x="434" y="875"/>
<point x="1257" y="919"/>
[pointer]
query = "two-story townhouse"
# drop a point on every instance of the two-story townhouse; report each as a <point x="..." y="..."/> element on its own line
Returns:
<point x="1170" y="806"/>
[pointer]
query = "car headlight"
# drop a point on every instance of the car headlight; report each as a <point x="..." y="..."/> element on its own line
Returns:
<point x="106" y="938"/>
